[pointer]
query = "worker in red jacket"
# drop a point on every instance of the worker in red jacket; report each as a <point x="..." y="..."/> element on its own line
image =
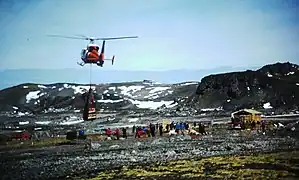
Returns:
<point x="117" y="133"/>
<point x="108" y="132"/>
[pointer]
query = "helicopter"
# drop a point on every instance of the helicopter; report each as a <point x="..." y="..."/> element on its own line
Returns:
<point x="90" y="54"/>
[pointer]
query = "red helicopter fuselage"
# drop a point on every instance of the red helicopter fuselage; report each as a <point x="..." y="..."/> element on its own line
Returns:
<point x="92" y="55"/>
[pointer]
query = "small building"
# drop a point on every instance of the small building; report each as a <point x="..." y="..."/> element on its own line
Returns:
<point x="246" y="116"/>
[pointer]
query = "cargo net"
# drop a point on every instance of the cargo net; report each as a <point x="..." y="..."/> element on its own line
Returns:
<point x="89" y="112"/>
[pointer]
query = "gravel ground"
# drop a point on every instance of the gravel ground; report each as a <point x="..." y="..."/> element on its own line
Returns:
<point x="74" y="161"/>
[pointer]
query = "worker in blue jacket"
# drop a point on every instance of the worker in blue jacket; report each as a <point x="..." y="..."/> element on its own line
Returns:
<point x="177" y="128"/>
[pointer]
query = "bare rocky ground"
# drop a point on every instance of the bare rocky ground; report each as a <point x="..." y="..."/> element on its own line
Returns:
<point x="76" y="162"/>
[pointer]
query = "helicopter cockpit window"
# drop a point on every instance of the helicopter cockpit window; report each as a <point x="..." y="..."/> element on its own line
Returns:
<point x="91" y="48"/>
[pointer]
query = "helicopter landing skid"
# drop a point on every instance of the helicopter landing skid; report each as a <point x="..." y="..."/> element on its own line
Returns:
<point x="81" y="64"/>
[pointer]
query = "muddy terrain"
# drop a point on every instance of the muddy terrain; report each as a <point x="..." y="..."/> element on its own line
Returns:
<point x="77" y="162"/>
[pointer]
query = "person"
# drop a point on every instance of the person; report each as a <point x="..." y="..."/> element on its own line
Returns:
<point x="177" y="128"/>
<point x="242" y="125"/>
<point x="148" y="132"/>
<point x="263" y="126"/>
<point x="167" y="127"/>
<point x="253" y="125"/>
<point x="117" y="133"/>
<point x="137" y="132"/>
<point x="108" y="132"/>
<point x="133" y="129"/>
<point x="172" y="125"/>
<point x="153" y="130"/>
<point x="124" y="132"/>
<point x="161" y="130"/>
<point x="182" y="127"/>
<point x="201" y="129"/>
<point x="88" y="144"/>
<point x="187" y="126"/>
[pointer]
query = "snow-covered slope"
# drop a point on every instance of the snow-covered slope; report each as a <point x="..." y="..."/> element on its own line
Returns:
<point x="116" y="96"/>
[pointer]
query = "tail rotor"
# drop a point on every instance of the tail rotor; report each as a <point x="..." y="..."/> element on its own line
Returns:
<point x="113" y="60"/>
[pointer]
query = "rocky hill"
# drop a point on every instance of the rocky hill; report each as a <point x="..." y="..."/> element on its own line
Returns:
<point x="136" y="96"/>
<point x="273" y="87"/>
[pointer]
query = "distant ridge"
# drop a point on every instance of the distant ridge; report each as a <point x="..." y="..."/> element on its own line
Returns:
<point x="81" y="76"/>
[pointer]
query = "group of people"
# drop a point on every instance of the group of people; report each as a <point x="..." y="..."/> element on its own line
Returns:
<point x="253" y="125"/>
<point x="117" y="133"/>
<point x="149" y="131"/>
<point x="179" y="128"/>
<point x="153" y="129"/>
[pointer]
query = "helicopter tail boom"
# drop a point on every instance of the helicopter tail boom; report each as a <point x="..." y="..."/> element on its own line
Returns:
<point x="102" y="52"/>
<point x="112" y="60"/>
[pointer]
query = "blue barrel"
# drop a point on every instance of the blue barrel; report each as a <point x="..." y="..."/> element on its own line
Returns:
<point x="81" y="132"/>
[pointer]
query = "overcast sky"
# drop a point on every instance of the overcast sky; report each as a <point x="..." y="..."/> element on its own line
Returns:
<point x="174" y="34"/>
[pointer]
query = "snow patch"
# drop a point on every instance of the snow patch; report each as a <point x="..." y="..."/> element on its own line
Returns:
<point x="150" y="82"/>
<point x="23" y="113"/>
<point x="66" y="86"/>
<point x="212" y="109"/>
<point x="71" y="122"/>
<point x="189" y="83"/>
<point x="128" y="90"/>
<point x="112" y="88"/>
<point x="152" y="104"/>
<point x="109" y="101"/>
<point x="32" y="95"/>
<point x="158" y="89"/>
<point x="43" y="122"/>
<point x="269" y="75"/>
<point x="82" y="89"/>
<point x="290" y="73"/>
<point x="41" y="86"/>
<point x="25" y="87"/>
<point x="267" y="105"/>
<point x="133" y="120"/>
<point x="23" y="122"/>
<point x="297" y="84"/>
<point x="14" y="107"/>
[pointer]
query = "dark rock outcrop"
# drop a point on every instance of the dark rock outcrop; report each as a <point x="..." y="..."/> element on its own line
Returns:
<point x="277" y="84"/>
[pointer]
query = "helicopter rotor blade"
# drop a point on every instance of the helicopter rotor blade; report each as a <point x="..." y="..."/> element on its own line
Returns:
<point x="114" y="38"/>
<point x="69" y="37"/>
<point x="81" y="35"/>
